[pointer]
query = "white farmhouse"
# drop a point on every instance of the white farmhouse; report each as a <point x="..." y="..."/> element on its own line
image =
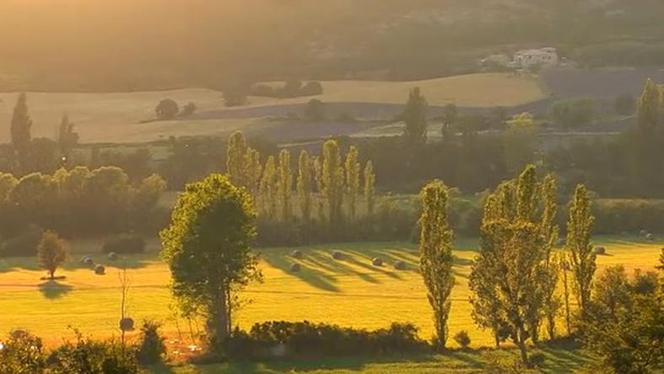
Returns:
<point x="545" y="57"/>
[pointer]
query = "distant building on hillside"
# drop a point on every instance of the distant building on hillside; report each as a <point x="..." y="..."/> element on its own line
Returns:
<point x="545" y="57"/>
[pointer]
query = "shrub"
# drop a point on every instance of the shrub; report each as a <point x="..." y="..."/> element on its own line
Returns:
<point x="462" y="339"/>
<point x="93" y="357"/>
<point x="305" y="339"/>
<point x="124" y="243"/>
<point x="151" y="347"/>
<point x="22" y="353"/>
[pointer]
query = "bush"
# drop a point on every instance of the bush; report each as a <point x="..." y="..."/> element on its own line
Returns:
<point x="23" y="245"/>
<point x="93" y="357"/>
<point x="124" y="243"/>
<point x="312" y="88"/>
<point x="22" y="353"/>
<point x="462" y="339"/>
<point x="151" y="348"/>
<point x="305" y="339"/>
<point x="167" y="109"/>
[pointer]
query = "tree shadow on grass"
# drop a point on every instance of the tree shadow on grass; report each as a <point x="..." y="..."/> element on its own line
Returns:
<point x="52" y="289"/>
<point x="137" y="261"/>
<point x="312" y="276"/>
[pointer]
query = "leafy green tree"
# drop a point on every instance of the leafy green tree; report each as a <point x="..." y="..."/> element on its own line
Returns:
<point x="7" y="184"/>
<point x="285" y="186"/>
<point x="582" y="256"/>
<point x="207" y="248"/>
<point x="167" y="109"/>
<point x="236" y="159"/>
<point x="269" y="187"/>
<point x="516" y="239"/>
<point x="52" y="252"/>
<point x="519" y="142"/>
<point x="369" y="188"/>
<point x="253" y="172"/>
<point x="649" y="108"/>
<point x="21" y="126"/>
<point x="352" y="181"/>
<point x="415" y="118"/>
<point x="332" y="180"/>
<point x="436" y="255"/>
<point x="304" y="185"/>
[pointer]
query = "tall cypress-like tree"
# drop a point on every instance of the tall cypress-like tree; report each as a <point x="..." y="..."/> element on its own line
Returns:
<point x="268" y="188"/>
<point x="304" y="185"/>
<point x="333" y="182"/>
<point x="21" y="127"/>
<point x="285" y="186"/>
<point x="436" y="255"/>
<point x="508" y="275"/>
<point x="236" y="158"/>
<point x="369" y="188"/>
<point x="649" y="109"/>
<point x="582" y="257"/>
<point x="415" y="118"/>
<point x="253" y="172"/>
<point x="352" y="181"/>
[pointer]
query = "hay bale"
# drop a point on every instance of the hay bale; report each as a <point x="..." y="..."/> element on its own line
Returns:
<point x="337" y="255"/>
<point x="295" y="268"/>
<point x="650" y="236"/>
<point x="400" y="265"/>
<point x="297" y="254"/>
<point x="127" y="324"/>
<point x="112" y="256"/>
<point x="100" y="269"/>
<point x="600" y="250"/>
<point x="643" y="232"/>
<point x="377" y="261"/>
<point x="87" y="260"/>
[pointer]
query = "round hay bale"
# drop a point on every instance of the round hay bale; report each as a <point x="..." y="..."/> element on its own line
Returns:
<point x="400" y="265"/>
<point x="337" y="255"/>
<point x="127" y="324"/>
<point x="87" y="260"/>
<point x="100" y="269"/>
<point x="295" y="268"/>
<point x="377" y="261"/>
<point x="650" y="236"/>
<point x="297" y="254"/>
<point x="600" y="250"/>
<point x="112" y="256"/>
<point x="643" y="232"/>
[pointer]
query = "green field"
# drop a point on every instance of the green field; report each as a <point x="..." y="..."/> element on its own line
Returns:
<point x="117" y="117"/>
<point x="351" y="292"/>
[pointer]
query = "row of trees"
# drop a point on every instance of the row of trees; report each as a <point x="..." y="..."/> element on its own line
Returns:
<point x="332" y="189"/>
<point x="79" y="201"/>
<point x="516" y="278"/>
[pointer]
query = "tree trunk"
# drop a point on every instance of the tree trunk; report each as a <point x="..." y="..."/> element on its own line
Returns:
<point x="567" y="316"/>
<point x="218" y="323"/>
<point x="496" y="336"/>
<point x="521" y="344"/>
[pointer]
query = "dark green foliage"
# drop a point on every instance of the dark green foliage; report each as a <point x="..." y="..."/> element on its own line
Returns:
<point x="151" y="348"/>
<point x="167" y="109"/>
<point x="22" y="353"/>
<point x="124" y="244"/>
<point x="573" y="113"/>
<point x="21" y="127"/>
<point x="415" y="118"/>
<point x="306" y="339"/>
<point x="93" y="357"/>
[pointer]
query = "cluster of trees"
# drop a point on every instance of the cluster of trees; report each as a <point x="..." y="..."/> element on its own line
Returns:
<point x="79" y="201"/>
<point x="290" y="88"/>
<point x="168" y="109"/>
<point x="321" y="196"/>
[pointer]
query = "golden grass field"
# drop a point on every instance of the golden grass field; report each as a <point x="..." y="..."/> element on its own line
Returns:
<point x="116" y="117"/>
<point x="351" y="292"/>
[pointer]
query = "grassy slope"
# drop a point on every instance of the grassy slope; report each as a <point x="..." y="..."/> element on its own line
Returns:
<point x="116" y="117"/>
<point x="351" y="292"/>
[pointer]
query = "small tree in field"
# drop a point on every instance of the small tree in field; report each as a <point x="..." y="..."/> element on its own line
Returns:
<point x="436" y="255"/>
<point x="167" y="109"/>
<point x="582" y="255"/>
<point x="52" y="252"/>
<point x="207" y="249"/>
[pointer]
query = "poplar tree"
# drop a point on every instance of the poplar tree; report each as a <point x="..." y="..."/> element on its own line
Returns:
<point x="21" y="126"/>
<point x="285" y="185"/>
<point x="514" y="255"/>
<point x="415" y="118"/>
<point x="582" y="257"/>
<point x="332" y="179"/>
<point x="318" y="176"/>
<point x="268" y="188"/>
<point x="352" y="181"/>
<point x="369" y="188"/>
<point x="254" y="170"/>
<point x="304" y="185"/>
<point x="236" y="158"/>
<point x="649" y="107"/>
<point x="436" y="255"/>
